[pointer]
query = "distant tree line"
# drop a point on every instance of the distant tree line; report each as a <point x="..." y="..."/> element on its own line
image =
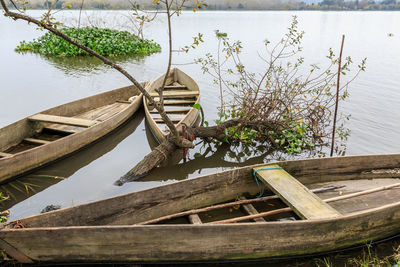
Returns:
<point x="228" y="4"/>
<point x="353" y="5"/>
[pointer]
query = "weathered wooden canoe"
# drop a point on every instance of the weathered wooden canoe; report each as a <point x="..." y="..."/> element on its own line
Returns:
<point x="54" y="133"/>
<point x="34" y="182"/>
<point x="120" y="228"/>
<point x="180" y="94"/>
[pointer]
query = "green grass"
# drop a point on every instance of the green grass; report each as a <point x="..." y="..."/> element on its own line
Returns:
<point x="368" y="257"/>
<point x="106" y="42"/>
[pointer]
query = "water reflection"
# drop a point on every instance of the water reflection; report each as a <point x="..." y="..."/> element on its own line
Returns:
<point x="209" y="156"/>
<point x="76" y="66"/>
<point x="214" y="156"/>
<point x="222" y="156"/>
<point x="33" y="183"/>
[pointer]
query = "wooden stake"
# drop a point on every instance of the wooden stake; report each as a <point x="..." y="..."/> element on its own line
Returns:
<point x="337" y="95"/>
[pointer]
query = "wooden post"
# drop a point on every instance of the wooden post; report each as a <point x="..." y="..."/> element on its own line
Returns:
<point x="337" y="96"/>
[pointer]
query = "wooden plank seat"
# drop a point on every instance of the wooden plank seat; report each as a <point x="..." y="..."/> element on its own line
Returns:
<point x="104" y="112"/>
<point x="124" y="101"/>
<point x="174" y="111"/>
<point x="304" y="203"/>
<point x="179" y="103"/>
<point x="169" y="87"/>
<point x="99" y="114"/>
<point x="63" y="120"/>
<point x="176" y="94"/>
<point x="174" y="120"/>
<point x="64" y="128"/>
<point x="4" y="155"/>
<point x="36" y="141"/>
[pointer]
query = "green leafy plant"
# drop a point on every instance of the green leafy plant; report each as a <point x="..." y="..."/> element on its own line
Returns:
<point x="106" y="42"/>
<point x="287" y="104"/>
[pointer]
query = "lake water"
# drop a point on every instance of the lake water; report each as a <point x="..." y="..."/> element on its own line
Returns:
<point x="30" y="83"/>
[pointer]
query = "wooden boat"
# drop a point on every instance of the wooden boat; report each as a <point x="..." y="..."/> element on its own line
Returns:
<point x="132" y="228"/>
<point x="180" y="93"/>
<point x="36" y="181"/>
<point x="54" y="133"/>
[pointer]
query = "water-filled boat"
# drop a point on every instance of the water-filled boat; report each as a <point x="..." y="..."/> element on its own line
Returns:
<point x="307" y="206"/>
<point x="57" y="132"/>
<point x="180" y="93"/>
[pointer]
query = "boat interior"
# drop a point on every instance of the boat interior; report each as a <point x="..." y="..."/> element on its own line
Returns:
<point x="293" y="201"/>
<point x="179" y="98"/>
<point x="59" y="122"/>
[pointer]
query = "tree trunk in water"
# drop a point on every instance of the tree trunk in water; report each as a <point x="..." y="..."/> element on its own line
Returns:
<point x="163" y="151"/>
<point x="148" y="163"/>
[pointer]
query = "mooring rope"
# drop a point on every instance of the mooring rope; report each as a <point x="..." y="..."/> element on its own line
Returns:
<point x="257" y="180"/>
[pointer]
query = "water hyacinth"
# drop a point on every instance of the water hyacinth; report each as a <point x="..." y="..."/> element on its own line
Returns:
<point x="106" y="42"/>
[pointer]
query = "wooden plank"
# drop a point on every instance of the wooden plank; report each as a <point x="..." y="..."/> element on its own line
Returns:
<point x="112" y="112"/>
<point x="14" y="253"/>
<point x="98" y="112"/>
<point x="249" y="208"/>
<point x="37" y="141"/>
<point x="3" y="154"/>
<point x="195" y="219"/>
<point x="63" y="120"/>
<point x="159" y="120"/>
<point x="179" y="103"/>
<point x="63" y="128"/>
<point x="168" y="87"/>
<point x="177" y="94"/>
<point x="124" y="101"/>
<point x="174" y="111"/>
<point x="304" y="202"/>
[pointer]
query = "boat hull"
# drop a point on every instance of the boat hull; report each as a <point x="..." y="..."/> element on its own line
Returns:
<point x="166" y="243"/>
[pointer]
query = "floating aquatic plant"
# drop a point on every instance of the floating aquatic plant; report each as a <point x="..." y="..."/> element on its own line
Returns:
<point x="106" y="42"/>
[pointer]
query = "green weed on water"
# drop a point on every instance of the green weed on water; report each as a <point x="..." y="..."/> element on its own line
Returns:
<point x="106" y="42"/>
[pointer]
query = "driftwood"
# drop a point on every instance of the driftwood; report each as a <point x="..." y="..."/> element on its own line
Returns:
<point x="278" y="211"/>
<point x="228" y="205"/>
<point x="155" y="158"/>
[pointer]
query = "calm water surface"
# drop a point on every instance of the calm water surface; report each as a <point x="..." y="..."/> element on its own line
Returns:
<point x="30" y="83"/>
